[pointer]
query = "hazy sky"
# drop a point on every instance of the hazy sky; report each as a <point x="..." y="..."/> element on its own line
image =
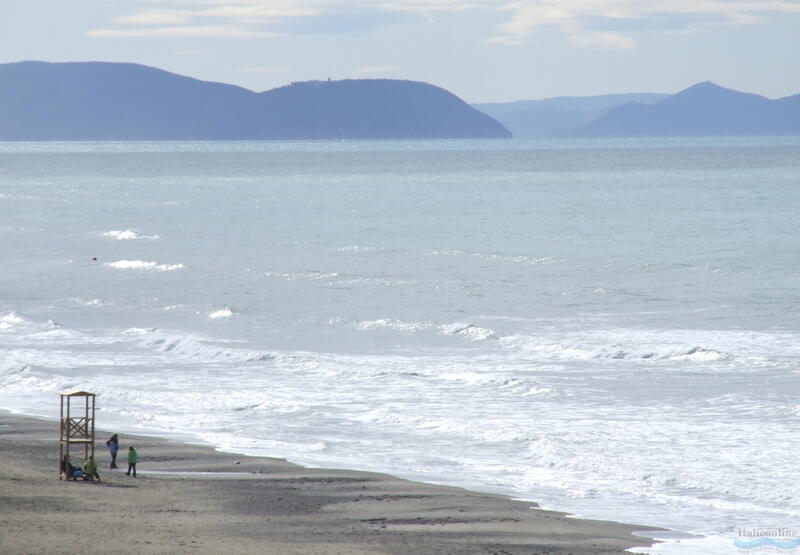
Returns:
<point x="482" y="50"/>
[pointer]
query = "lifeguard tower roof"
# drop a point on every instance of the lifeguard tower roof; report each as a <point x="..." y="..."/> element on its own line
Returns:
<point x="76" y="393"/>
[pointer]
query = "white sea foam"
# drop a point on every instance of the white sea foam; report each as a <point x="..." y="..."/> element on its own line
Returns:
<point x="129" y="235"/>
<point x="226" y="312"/>
<point x="468" y="330"/>
<point x="11" y="363"/>
<point x="700" y="354"/>
<point x="355" y="248"/>
<point x="17" y="325"/>
<point x="8" y="321"/>
<point x="375" y="282"/>
<point x="707" y="545"/>
<point x="92" y="302"/>
<point x="393" y="324"/>
<point x="636" y="345"/>
<point x="302" y="276"/>
<point x="494" y="256"/>
<point x="143" y="265"/>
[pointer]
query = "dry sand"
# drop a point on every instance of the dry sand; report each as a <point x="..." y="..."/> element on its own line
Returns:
<point x="261" y="505"/>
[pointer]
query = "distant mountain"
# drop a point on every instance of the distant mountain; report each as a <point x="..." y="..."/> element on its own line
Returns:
<point x="375" y="108"/>
<point x="98" y="101"/>
<point x="703" y="109"/>
<point x="555" y="116"/>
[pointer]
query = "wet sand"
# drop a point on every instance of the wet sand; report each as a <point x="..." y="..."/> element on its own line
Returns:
<point x="193" y="499"/>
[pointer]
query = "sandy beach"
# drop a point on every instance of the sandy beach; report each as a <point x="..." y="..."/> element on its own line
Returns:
<point x="193" y="499"/>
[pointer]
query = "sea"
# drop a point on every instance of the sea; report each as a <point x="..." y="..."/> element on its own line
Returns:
<point x="607" y="327"/>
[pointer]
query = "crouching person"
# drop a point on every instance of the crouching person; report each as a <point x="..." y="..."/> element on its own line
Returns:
<point x="90" y="470"/>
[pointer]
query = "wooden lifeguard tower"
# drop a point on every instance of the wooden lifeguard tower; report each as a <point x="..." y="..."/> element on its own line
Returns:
<point x="77" y="427"/>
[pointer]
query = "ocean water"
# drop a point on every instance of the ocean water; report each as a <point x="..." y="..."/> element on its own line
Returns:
<point x="606" y="327"/>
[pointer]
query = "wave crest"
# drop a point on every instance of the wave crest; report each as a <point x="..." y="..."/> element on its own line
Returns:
<point x="468" y="330"/>
<point x="591" y="349"/>
<point x="226" y="312"/>
<point x="10" y="320"/>
<point x="143" y="265"/>
<point x="700" y="354"/>
<point x="129" y="235"/>
<point x="194" y="347"/>
<point x="393" y="324"/>
<point x="302" y="276"/>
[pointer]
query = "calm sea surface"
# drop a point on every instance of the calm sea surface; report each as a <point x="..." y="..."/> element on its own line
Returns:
<point x="606" y="327"/>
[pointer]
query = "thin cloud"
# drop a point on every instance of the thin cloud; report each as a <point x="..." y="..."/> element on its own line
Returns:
<point x="261" y="12"/>
<point x="434" y="5"/>
<point x="252" y="18"/>
<point x="200" y="31"/>
<point x="597" y="23"/>
<point x="606" y="41"/>
<point x="579" y="20"/>
<point x="156" y="17"/>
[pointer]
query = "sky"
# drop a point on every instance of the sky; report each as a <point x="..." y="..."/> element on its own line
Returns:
<point x="481" y="50"/>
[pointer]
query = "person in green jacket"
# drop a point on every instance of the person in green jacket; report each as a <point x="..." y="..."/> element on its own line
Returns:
<point x="90" y="470"/>
<point x="132" y="457"/>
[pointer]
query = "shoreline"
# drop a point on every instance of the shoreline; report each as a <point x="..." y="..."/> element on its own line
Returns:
<point x="191" y="498"/>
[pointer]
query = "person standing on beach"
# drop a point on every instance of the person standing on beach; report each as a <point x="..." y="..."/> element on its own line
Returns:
<point x="113" y="447"/>
<point x="132" y="458"/>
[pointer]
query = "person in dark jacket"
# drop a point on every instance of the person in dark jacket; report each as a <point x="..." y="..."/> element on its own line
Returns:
<point x="133" y="456"/>
<point x="71" y="472"/>
<point x="113" y="447"/>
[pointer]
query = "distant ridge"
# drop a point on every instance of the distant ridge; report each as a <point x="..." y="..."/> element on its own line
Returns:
<point x="702" y="109"/>
<point x="108" y="101"/>
<point x="551" y="117"/>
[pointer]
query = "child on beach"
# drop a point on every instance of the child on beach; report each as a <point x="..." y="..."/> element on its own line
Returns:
<point x="132" y="458"/>
<point x="90" y="470"/>
<point x="113" y="447"/>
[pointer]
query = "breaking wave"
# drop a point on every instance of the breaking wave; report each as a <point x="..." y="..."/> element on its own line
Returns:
<point x="393" y="324"/>
<point x="10" y="320"/>
<point x="700" y="354"/>
<point x="129" y="235"/>
<point x="468" y="330"/>
<point x="143" y="265"/>
<point x="13" y="322"/>
<point x="302" y="276"/>
<point x="222" y="313"/>
<point x="194" y="347"/>
<point x="356" y="248"/>
<point x="589" y="350"/>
